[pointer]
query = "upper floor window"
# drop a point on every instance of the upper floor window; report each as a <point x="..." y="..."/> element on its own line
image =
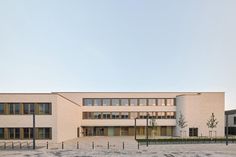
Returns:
<point x="14" y="108"/>
<point x="115" y="102"/>
<point x="88" y="102"/>
<point x="97" y="102"/>
<point x="151" y="102"/>
<point x="106" y="102"/>
<point x="142" y="102"/>
<point x="2" y="108"/>
<point x="161" y="102"/>
<point x="124" y="102"/>
<point x="28" y="108"/>
<point x="133" y="102"/>
<point x="124" y="115"/>
<point x="44" y="108"/>
<point x="169" y="102"/>
<point x="115" y="115"/>
<point x="234" y="120"/>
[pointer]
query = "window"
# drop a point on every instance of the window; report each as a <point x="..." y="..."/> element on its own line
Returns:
<point x="1" y="108"/>
<point x="152" y="115"/>
<point x="193" y="132"/>
<point x="161" y="115"/>
<point x="106" y="115"/>
<point x="133" y="102"/>
<point x="28" y="108"/>
<point x="234" y="120"/>
<point x="142" y="102"/>
<point x="44" y="108"/>
<point x="151" y="102"/>
<point x="106" y="102"/>
<point x="115" y="102"/>
<point x="1" y="133"/>
<point x="169" y="102"/>
<point x="142" y="115"/>
<point x="161" y="102"/>
<point x="88" y="102"/>
<point x="97" y="115"/>
<point x="115" y="115"/>
<point x="97" y="102"/>
<point x="124" y="115"/>
<point x="124" y="102"/>
<point x="27" y="133"/>
<point x="170" y="115"/>
<point x="44" y="133"/>
<point x="14" y="133"/>
<point x="14" y="108"/>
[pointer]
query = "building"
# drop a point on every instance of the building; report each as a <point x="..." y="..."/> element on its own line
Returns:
<point x="231" y="121"/>
<point x="66" y="115"/>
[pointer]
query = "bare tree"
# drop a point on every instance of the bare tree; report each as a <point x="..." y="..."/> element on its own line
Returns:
<point x="181" y="123"/>
<point x="212" y="123"/>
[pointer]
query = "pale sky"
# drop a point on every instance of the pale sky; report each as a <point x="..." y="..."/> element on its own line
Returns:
<point x="118" y="45"/>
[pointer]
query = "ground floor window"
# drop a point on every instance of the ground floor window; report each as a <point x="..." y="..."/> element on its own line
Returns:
<point x="1" y="133"/>
<point x="193" y="132"/>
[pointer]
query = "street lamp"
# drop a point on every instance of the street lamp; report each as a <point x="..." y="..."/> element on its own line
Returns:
<point x="34" y="127"/>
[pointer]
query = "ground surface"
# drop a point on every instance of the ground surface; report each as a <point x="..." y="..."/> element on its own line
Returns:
<point x="116" y="149"/>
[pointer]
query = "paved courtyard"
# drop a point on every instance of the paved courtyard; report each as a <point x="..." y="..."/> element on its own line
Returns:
<point x="116" y="149"/>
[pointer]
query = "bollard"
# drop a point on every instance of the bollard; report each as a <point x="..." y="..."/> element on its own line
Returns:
<point x="12" y="145"/>
<point x="47" y="145"/>
<point x="5" y="145"/>
<point x="27" y="144"/>
<point x="108" y="145"/>
<point x="93" y="145"/>
<point x="20" y="145"/>
<point x="138" y="145"/>
<point x="77" y="145"/>
<point x="123" y="145"/>
<point x="62" y="145"/>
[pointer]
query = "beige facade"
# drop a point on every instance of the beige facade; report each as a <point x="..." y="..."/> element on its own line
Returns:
<point x="111" y="113"/>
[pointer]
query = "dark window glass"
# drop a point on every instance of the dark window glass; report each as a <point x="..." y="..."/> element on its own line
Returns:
<point x="1" y="108"/>
<point x="26" y="133"/>
<point x="106" y="115"/>
<point x="44" y="108"/>
<point x="14" y="108"/>
<point x="115" y="115"/>
<point x="124" y="115"/>
<point x="234" y="120"/>
<point x="44" y="133"/>
<point x="11" y="132"/>
<point x="1" y="133"/>
<point x="28" y="108"/>
<point x="17" y="133"/>
<point x="193" y="132"/>
<point x="88" y="102"/>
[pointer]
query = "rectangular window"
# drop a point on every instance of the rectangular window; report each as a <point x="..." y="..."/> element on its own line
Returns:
<point x="2" y="108"/>
<point x="115" y="102"/>
<point x="28" y="108"/>
<point x="169" y="102"/>
<point x="234" y="120"/>
<point x="124" y="115"/>
<point x="14" y="133"/>
<point x="1" y="133"/>
<point x="97" y="115"/>
<point x="28" y="133"/>
<point x="161" y="102"/>
<point x="44" y="108"/>
<point x="142" y="115"/>
<point x="151" y="102"/>
<point x="124" y="102"/>
<point x="106" y="115"/>
<point x="161" y="115"/>
<point x="142" y="102"/>
<point x="152" y="115"/>
<point x="106" y="102"/>
<point x="14" y="108"/>
<point x="133" y="102"/>
<point x="88" y="102"/>
<point x="115" y="115"/>
<point x="44" y="133"/>
<point x="193" y="132"/>
<point x="97" y="102"/>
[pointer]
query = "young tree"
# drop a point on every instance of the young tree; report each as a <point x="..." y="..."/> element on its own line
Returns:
<point x="212" y="123"/>
<point x="181" y="123"/>
<point x="153" y="123"/>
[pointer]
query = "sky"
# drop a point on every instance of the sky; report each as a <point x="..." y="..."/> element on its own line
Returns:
<point x="118" y="45"/>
